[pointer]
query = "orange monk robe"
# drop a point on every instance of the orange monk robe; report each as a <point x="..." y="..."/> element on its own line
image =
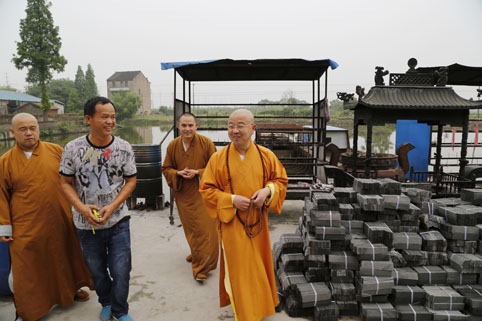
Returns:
<point x="199" y="227"/>
<point x="46" y="258"/>
<point x="249" y="260"/>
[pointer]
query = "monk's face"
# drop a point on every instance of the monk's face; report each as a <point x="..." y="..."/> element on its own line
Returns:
<point x="103" y="122"/>
<point x="26" y="132"/>
<point x="240" y="128"/>
<point x="187" y="126"/>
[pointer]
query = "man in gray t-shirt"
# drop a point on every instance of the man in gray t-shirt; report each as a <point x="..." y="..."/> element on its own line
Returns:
<point x="98" y="173"/>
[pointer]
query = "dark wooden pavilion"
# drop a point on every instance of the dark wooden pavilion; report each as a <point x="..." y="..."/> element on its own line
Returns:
<point x="413" y="96"/>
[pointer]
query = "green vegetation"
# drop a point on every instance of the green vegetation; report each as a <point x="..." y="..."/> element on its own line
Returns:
<point x="7" y="88"/>
<point x="38" y="50"/>
<point x="127" y="103"/>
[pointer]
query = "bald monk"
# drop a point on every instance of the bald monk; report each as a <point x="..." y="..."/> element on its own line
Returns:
<point x="241" y="182"/>
<point x="47" y="266"/>
<point x="183" y="166"/>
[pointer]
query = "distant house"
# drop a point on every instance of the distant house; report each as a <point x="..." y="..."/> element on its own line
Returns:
<point x="36" y="109"/>
<point x="133" y="81"/>
<point x="11" y="100"/>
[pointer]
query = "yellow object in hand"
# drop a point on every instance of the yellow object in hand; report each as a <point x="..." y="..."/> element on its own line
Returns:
<point x="98" y="217"/>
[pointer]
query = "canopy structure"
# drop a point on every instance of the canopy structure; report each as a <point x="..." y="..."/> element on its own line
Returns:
<point x="459" y="74"/>
<point x="251" y="70"/>
<point x="302" y="158"/>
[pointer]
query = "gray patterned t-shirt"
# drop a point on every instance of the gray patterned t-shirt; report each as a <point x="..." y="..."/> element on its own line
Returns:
<point x="98" y="174"/>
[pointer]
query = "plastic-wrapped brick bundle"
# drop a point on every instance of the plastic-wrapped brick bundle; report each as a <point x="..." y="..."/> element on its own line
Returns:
<point x="437" y="258"/>
<point x="466" y="263"/>
<point x="330" y="233"/>
<point x="431" y="275"/>
<point x="405" y="276"/>
<point x="428" y="221"/>
<point x="390" y="186"/>
<point x="289" y="281"/>
<point x="343" y="260"/>
<point x="366" y="250"/>
<point x="433" y="241"/>
<point x="456" y="246"/>
<point x="348" y="308"/>
<point x="342" y="276"/>
<point x="291" y="243"/>
<point x="370" y="202"/>
<point x="325" y="201"/>
<point x="345" y="195"/>
<point x="418" y="196"/>
<point x="373" y="285"/>
<point x="445" y="315"/>
<point x="397" y="259"/>
<point x="443" y="298"/>
<point x="346" y="212"/>
<point x="458" y="216"/>
<point x="473" y="297"/>
<point x="292" y="262"/>
<point x="413" y="313"/>
<point x="313" y="246"/>
<point x="458" y="232"/>
<point x="293" y="307"/>
<point x="313" y="294"/>
<point x="366" y="186"/>
<point x="353" y="226"/>
<point x="454" y="277"/>
<point x="407" y="294"/>
<point x="473" y="195"/>
<point x="396" y="202"/>
<point x="378" y="232"/>
<point x="415" y="258"/>
<point x="343" y="291"/>
<point x="378" y="312"/>
<point x="406" y="241"/>
<point x="376" y="268"/>
<point x="325" y="218"/>
<point x="328" y="312"/>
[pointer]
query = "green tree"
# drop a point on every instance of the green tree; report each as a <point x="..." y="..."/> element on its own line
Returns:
<point x="59" y="89"/>
<point x="7" y="88"/>
<point x="79" y="84"/>
<point x="90" y="85"/>
<point x="127" y="103"/>
<point x="39" y="48"/>
<point x="74" y="104"/>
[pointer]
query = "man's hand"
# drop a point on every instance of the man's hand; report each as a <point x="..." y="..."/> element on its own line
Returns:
<point x="241" y="202"/>
<point x="260" y="196"/>
<point x="187" y="173"/>
<point x="6" y="238"/>
<point x="105" y="213"/>
<point x="86" y="212"/>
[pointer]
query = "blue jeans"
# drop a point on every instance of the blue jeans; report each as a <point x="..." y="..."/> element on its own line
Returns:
<point x="107" y="254"/>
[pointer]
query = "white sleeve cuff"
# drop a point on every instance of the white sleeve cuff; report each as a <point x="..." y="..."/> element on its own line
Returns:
<point x="5" y="230"/>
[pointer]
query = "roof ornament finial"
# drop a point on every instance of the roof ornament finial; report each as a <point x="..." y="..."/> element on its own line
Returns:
<point x="441" y="76"/>
<point x="360" y="91"/>
<point x="379" y="74"/>
<point x="412" y="63"/>
<point x="345" y="97"/>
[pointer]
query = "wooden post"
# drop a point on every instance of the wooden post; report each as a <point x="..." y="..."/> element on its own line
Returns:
<point x="355" y="146"/>
<point x="463" y="151"/>
<point x="369" y="148"/>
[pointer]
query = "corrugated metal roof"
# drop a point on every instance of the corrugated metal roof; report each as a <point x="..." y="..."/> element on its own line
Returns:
<point x="123" y="75"/>
<point x="394" y="97"/>
<point x="12" y="95"/>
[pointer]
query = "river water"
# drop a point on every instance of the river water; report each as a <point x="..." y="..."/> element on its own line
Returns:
<point x="383" y="141"/>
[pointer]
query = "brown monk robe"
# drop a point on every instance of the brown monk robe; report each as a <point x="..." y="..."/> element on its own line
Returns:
<point x="46" y="259"/>
<point x="199" y="227"/>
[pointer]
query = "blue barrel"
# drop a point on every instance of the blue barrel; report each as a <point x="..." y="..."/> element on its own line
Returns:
<point x="4" y="269"/>
<point x="419" y="135"/>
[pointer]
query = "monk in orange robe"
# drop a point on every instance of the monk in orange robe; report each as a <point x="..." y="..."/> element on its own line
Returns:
<point x="183" y="166"/>
<point x="241" y="182"/>
<point x="36" y="220"/>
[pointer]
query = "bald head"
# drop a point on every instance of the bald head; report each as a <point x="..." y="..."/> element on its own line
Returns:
<point x="240" y="129"/>
<point x="243" y="114"/>
<point x="22" y="116"/>
<point x="26" y="131"/>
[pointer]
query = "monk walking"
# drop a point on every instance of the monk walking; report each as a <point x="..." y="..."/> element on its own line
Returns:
<point x="183" y="167"/>
<point x="241" y="182"/>
<point x="47" y="266"/>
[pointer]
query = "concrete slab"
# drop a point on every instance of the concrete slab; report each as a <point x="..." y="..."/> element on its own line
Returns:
<point x="162" y="286"/>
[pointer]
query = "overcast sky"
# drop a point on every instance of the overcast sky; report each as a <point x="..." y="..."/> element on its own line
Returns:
<point x="121" y="35"/>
